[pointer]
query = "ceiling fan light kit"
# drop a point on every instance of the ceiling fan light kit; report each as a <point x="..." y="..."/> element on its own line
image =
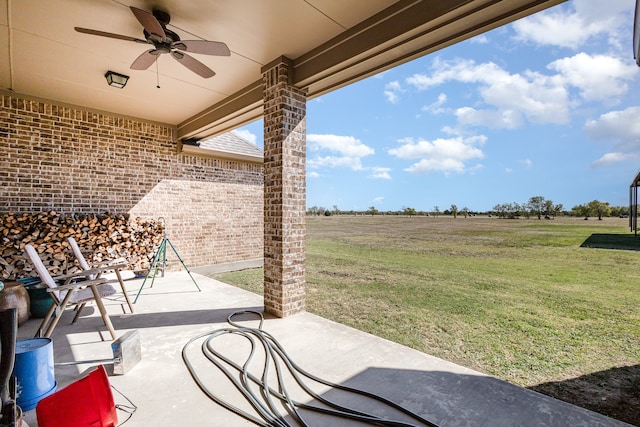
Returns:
<point x="165" y="41"/>
<point x="116" y="79"/>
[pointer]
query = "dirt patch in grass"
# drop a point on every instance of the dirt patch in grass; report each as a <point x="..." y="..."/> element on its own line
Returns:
<point x="614" y="392"/>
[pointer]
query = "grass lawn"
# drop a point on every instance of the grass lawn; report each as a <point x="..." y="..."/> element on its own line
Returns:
<point x="548" y="304"/>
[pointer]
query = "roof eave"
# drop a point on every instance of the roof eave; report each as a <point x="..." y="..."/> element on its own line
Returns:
<point x="218" y="154"/>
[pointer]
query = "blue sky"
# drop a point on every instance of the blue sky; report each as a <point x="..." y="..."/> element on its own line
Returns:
<point x="547" y="106"/>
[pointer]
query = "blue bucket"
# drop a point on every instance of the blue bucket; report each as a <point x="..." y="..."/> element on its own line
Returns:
<point x="33" y="369"/>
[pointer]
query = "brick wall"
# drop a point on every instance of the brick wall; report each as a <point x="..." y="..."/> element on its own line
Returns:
<point x="71" y="160"/>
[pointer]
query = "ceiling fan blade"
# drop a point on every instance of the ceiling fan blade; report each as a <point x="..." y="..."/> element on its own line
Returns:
<point x="149" y="22"/>
<point x="145" y="60"/>
<point x="203" y="46"/>
<point x="110" y="35"/>
<point x="193" y="64"/>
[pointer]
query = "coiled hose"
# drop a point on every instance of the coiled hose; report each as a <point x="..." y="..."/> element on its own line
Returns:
<point x="262" y="399"/>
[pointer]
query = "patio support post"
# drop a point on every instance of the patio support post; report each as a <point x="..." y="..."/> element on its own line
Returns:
<point x="284" y="190"/>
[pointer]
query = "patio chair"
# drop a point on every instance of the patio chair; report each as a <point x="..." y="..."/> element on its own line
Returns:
<point x="74" y="291"/>
<point x="104" y="268"/>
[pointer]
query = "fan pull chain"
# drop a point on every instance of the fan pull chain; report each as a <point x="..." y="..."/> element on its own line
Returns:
<point x="157" y="75"/>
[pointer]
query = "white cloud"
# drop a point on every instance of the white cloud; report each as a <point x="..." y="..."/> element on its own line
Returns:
<point x="246" y="134"/>
<point x="344" y="151"/>
<point x="555" y="28"/>
<point x="576" y="24"/>
<point x="621" y="127"/>
<point x="436" y="106"/>
<point x="318" y="162"/>
<point x="391" y="96"/>
<point x="445" y="155"/>
<point x="480" y="39"/>
<point x="511" y="98"/>
<point x="346" y="145"/>
<point x="450" y="131"/>
<point x="508" y="119"/>
<point x="378" y="200"/>
<point x="609" y="159"/>
<point x="313" y="174"/>
<point x="394" y="85"/>
<point x="392" y="91"/>
<point x="527" y="163"/>
<point x="475" y="168"/>
<point x="380" y="173"/>
<point x="598" y="77"/>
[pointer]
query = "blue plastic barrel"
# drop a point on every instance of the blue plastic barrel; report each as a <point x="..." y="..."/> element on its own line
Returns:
<point x="33" y="369"/>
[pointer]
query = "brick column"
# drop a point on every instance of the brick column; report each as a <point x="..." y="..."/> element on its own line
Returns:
<point x="284" y="190"/>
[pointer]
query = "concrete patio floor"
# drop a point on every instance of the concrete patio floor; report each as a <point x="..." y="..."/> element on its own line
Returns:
<point x="173" y="311"/>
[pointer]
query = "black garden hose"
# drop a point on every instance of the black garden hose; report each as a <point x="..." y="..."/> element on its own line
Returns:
<point x="276" y="358"/>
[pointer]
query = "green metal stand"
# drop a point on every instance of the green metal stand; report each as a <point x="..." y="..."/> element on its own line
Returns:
<point x="159" y="262"/>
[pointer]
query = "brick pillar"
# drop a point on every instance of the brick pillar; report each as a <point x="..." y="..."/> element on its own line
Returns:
<point x="284" y="190"/>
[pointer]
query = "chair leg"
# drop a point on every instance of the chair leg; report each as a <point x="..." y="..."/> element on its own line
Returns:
<point x="124" y="290"/>
<point x="55" y="320"/>
<point x="103" y="311"/>
<point x="78" y="309"/>
<point x="46" y="319"/>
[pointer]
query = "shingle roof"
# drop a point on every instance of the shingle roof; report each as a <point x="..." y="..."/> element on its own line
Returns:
<point x="231" y="143"/>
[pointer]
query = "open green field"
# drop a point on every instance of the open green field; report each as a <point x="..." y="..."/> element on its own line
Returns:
<point x="553" y="305"/>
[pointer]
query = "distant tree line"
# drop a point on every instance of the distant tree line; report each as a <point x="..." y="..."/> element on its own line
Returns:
<point x="536" y="207"/>
<point x="539" y="207"/>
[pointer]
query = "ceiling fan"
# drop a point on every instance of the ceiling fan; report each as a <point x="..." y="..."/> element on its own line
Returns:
<point x="166" y="41"/>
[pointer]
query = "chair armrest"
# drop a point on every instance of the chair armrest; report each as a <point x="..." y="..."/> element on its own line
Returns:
<point x="100" y="264"/>
<point x="74" y="285"/>
<point x="113" y="261"/>
<point x="105" y="265"/>
<point x="77" y="275"/>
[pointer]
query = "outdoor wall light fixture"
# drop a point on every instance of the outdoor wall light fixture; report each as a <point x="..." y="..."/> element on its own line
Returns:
<point x="116" y="79"/>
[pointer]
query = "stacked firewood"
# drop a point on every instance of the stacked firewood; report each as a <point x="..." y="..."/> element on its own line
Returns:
<point x="102" y="237"/>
